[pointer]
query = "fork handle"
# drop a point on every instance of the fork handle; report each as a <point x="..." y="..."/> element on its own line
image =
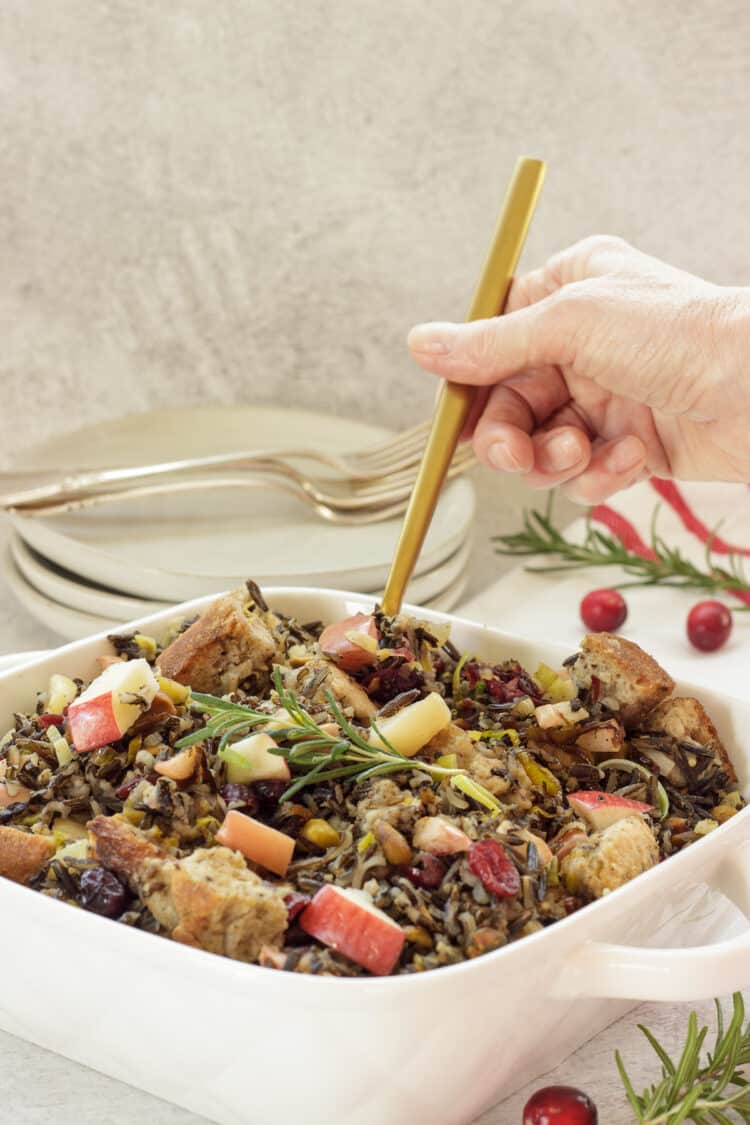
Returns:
<point x="30" y="486"/>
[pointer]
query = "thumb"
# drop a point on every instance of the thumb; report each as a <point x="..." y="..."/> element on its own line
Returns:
<point x="483" y="352"/>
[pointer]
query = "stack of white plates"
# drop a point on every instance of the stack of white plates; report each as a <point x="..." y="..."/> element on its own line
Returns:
<point x="92" y="570"/>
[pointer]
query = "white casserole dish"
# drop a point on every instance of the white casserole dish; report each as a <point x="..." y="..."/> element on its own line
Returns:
<point x="244" y="1045"/>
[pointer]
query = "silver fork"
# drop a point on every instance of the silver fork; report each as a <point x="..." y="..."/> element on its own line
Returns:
<point x="393" y="456"/>
<point x="382" y="498"/>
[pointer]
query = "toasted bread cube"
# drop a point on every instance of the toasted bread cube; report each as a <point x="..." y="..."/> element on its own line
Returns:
<point x="23" y="854"/>
<point x="630" y="681"/>
<point x="685" y="719"/>
<point x="605" y="861"/>
<point x="209" y="899"/>
<point x="221" y="648"/>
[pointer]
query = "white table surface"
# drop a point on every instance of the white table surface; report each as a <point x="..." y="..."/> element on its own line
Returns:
<point x="39" y="1088"/>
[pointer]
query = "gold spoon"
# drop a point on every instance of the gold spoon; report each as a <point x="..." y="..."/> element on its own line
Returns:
<point x="454" y="401"/>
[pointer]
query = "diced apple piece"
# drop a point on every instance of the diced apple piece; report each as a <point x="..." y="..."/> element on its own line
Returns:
<point x="606" y="738"/>
<point x="74" y="850"/>
<point x="348" y="921"/>
<point x="551" y="715"/>
<point x="61" y="691"/>
<point x="666" y="766"/>
<point x="438" y="836"/>
<point x="543" y="851"/>
<point x="68" y="830"/>
<point x="181" y="766"/>
<point x="251" y="759"/>
<point x="413" y="726"/>
<point x="599" y="810"/>
<point x="258" y="842"/>
<point x="111" y="704"/>
<point x="352" y="642"/>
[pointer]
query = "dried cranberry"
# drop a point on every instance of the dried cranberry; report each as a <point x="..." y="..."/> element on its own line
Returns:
<point x="267" y="794"/>
<point x="395" y="675"/>
<point x="295" y="903"/>
<point x="491" y="863"/>
<point x="48" y="720"/>
<point x="560" y="1105"/>
<point x="429" y="874"/>
<point x="472" y="673"/>
<point x="125" y="790"/>
<point x="239" y="796"/>
<point x="102" y="892"/>
<point x="510" y="682"/>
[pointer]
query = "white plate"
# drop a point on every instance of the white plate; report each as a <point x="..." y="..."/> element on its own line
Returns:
<point x="61" y="619"/>
<point x="74" y="593"/>
<point x="168" y="548"/>
<point x="61" y="586"/>
<point x="73" y="624"/>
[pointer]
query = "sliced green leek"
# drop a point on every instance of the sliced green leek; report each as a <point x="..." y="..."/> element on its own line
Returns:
<point x="636" y="767"/>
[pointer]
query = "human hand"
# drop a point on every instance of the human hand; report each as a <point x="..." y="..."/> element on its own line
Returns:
<point x="608" y="366"/>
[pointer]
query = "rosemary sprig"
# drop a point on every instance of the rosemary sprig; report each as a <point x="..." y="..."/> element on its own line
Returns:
<point x="313" y="754"/>
<point x="689" y="1091"/>
<point x="670" y="567"/>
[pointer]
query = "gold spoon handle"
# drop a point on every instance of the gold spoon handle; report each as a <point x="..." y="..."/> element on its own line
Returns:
<point x="454" y="401"/>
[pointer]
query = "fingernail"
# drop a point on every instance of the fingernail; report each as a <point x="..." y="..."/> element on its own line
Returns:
<point x="501" y="456"/>
<point x="432" y="339"/>
<point x="558" y="453"/>
<point x="624" y="456"/>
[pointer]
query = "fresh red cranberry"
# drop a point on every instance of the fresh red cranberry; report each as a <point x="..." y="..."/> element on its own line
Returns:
<point x="603" y="611"/>
<point x="429" y="874"/>
<point x="709" y="625"/>
<point x="491" y="863"/>
<point x="560" y="1105"/>
<point x="48" y="720"/>
<point x="102" y="892"/>
<point x="295" y="903"/>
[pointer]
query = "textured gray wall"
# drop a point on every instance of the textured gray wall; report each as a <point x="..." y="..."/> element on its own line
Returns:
<point x="254" y="199"/>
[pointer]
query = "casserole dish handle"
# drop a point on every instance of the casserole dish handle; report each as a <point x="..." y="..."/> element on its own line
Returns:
<point x="604" y="969"/>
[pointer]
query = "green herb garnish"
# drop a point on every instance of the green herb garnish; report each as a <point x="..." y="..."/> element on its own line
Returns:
<point x="313" y="754"/>
<point x="669" y="568"/>
<point x="689" y="1091"/>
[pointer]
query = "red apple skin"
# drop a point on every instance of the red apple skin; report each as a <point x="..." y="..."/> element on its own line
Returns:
<point x="349" y="656"/>
<point x="92" y="724"/>
<point x="602" y="809"/>
<point x="351" y="929"/>
<point x="596" y="798"/>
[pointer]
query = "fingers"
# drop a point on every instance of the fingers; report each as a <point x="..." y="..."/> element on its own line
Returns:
<point x="536" y="327"/>
<point x="614" y="465"/>
<point x="502" y="434"/>
<point x="560" y="454"/>
<point x="483" y="352"/>
<point x="477" y="410"/>
<point x="512" y="412"/>
<point x="504" y="437"/>
<point x="530" y="427"/>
